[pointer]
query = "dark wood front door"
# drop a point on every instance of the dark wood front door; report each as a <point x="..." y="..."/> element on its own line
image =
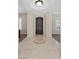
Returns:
<point x="39" y="25"/>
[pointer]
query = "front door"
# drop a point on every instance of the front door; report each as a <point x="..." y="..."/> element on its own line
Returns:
<point x="39" y="25"/>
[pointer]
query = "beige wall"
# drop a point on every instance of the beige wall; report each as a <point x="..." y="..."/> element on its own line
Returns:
<point x="24" y="22"/>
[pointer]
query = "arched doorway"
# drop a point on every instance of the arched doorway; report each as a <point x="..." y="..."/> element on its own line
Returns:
<point x="39" y="25"/>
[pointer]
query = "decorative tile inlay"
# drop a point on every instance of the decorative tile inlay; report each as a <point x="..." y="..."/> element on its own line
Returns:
<point x="39" y="39"/>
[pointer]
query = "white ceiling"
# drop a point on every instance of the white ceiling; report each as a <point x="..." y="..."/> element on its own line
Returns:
<point x="49" y="6"/>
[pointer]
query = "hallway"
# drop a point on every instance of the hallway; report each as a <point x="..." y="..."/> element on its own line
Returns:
<point x="39" y="47"/>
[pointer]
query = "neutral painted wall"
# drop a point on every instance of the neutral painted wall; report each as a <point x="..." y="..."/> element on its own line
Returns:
<point x="24" y="22"/>
<point x="51" y="19"/>
<point x="30" y="25"/>
<point x="55" y="17"/>
<point x="48" y="18"/>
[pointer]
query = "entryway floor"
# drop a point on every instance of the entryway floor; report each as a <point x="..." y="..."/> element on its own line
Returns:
<point x="29" y="49"/>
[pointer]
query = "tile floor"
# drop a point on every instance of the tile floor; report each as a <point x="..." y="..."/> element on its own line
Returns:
<point x="29" y="49"/>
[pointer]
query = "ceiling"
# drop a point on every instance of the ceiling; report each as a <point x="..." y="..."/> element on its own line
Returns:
<point x="53" y="6"/>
